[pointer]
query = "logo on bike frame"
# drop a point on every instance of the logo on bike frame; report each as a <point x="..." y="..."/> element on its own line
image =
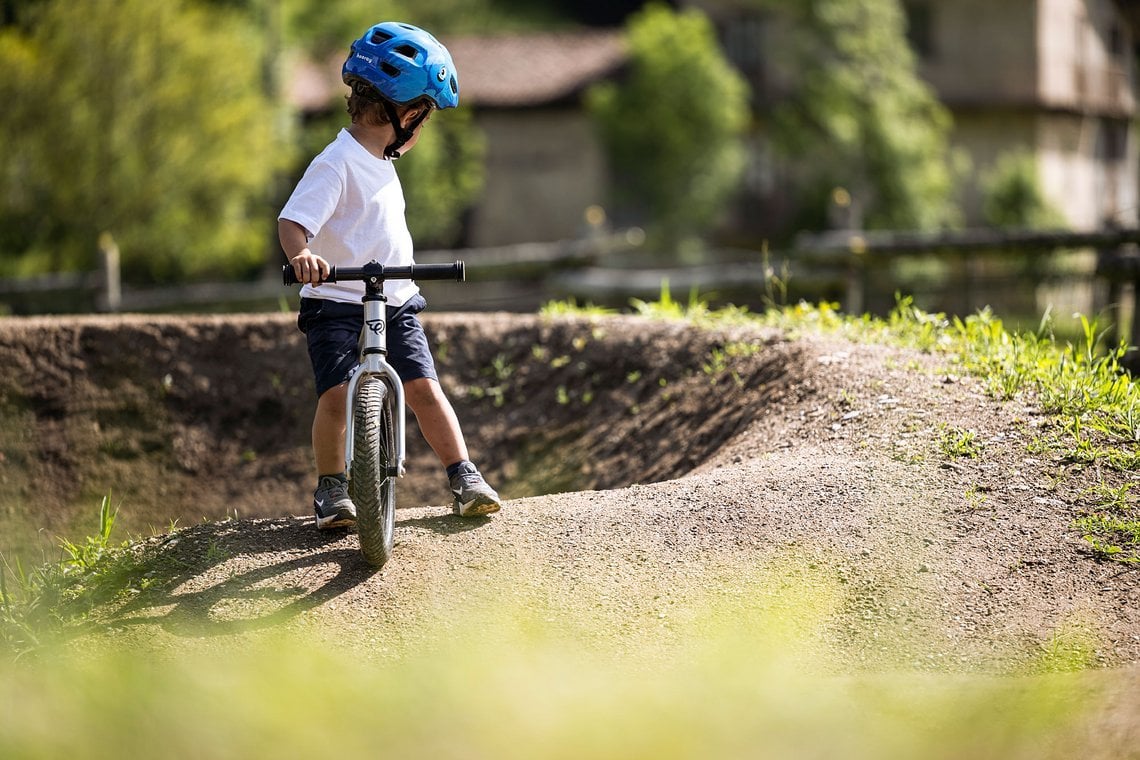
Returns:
<point x="376" y="326"/>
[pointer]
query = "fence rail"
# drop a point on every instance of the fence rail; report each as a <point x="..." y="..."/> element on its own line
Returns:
<point x="844" y="265"/>
<point x="103" y="291"/>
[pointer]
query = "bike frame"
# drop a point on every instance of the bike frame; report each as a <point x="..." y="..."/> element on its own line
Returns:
<point x="374" y="352"/>
<point x="374" y="361"/>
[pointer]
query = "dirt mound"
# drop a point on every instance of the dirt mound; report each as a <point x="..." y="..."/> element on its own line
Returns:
<point x="191" y="418"/>
<point x="650" y="465"/>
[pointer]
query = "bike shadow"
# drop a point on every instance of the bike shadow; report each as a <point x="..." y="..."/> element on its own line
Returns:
<point x="240" y="576"/>
<point x="444" y="524"/>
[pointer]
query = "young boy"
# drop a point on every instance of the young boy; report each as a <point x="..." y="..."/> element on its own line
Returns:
<point x="347" y="210"/>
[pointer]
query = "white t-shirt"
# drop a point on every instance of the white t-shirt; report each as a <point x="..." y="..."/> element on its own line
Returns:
<point x="352" y="206"/>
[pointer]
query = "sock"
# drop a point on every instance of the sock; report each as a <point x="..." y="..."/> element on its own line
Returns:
<point x="453" y="469"/>
<point x="338" y="475"/>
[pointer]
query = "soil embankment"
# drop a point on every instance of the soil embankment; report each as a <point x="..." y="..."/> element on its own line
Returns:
<point x="651" y="467"/>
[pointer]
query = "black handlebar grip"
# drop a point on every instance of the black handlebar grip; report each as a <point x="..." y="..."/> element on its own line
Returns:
<point x="289" y="277"/>
<point x="454" y="271"/>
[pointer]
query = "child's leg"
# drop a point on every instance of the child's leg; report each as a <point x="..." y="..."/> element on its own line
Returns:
<point x="328" y="430"/>
<point x="440" y="426"/>
<point x="331" y="503"/>
<point x="437" y="420"/>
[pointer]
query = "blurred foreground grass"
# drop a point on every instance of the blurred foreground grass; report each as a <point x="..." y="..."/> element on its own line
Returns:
<point x="503" y="680"/>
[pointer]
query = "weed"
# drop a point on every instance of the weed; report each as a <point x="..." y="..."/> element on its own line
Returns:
<point x="1113" y="529"/>
<point x="49" y="599"/>
<point x="716" y="365"/>
<point x="571" y="308"/>
<point x="958" y="442"/>
<point x="1110" y="537"/>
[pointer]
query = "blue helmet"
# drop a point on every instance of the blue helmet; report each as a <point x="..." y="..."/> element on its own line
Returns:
<point x="403" y="63"/>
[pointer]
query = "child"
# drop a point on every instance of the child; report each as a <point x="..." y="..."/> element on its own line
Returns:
<point x="347" y="210"/>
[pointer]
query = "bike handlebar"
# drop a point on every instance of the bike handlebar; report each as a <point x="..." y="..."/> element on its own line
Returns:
<point x="381" y="273"/>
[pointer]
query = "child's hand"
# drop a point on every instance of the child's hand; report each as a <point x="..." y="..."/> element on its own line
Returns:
<point x="309" y="267"/>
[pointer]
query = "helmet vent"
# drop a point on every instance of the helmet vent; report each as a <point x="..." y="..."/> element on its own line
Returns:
<point x="407" y="51"/>
<point x="379" y="36"/>
<point x="389" y="69"/>
<point x="454" y="88"/>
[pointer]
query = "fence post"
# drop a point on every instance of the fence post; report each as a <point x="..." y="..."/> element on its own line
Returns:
<point x="111" y="299"/>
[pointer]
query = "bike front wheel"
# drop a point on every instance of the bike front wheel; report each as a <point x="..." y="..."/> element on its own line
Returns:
<point x="371" y="486"/>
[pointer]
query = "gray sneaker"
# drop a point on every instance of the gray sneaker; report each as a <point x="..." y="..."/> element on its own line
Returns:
<point x="473" y="497"/>
<point x="331" y="503"/>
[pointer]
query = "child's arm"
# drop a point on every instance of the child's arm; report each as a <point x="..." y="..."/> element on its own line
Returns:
<point x="308" y="266"/>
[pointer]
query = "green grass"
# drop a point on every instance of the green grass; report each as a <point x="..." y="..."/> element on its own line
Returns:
<point x="42" y="604"/>
<point x="293" y="698"/>
<point x="1112" y="528"/>
<point x="958" y="442"/>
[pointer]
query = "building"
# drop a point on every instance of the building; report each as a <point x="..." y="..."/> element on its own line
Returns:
<point x="1054" y="77"/>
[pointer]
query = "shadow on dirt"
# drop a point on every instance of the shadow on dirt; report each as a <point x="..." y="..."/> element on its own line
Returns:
<point x="190" y="588"/>
<point x="195" y="594"/>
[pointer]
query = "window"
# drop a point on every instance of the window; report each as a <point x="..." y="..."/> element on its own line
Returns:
<point x="1113" y="140"/>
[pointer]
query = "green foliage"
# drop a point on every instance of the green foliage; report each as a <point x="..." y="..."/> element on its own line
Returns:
<point x="672" y="129"/>
<point x="37" y="606"/>
<point x="1112" y="529"/>
<point x="861" y="118"/>
<point x="148" y="120"/>
<point x="1012" y="194"/>
<point x="1083" y="385"/>
<point x="442" y="176"/>
<point x="318" y="26"/>
<point x="753" y="669"/>
<point x="571" y="307"/>
<point x="959" y="442"/>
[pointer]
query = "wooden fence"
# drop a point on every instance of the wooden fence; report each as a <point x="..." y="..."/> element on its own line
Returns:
<point x="859" y="269"/>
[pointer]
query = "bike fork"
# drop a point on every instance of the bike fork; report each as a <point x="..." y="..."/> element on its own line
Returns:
<point x="373" y="361"/>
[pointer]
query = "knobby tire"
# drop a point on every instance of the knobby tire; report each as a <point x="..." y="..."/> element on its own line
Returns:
<point x="371" y="488"/>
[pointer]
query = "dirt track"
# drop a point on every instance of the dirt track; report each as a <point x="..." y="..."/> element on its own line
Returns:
<point x="808" y="464"/>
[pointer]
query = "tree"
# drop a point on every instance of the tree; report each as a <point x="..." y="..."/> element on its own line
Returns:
<point x="1012" y="196"/>
<point x="672" y="128"/>
<point x="318" y="26"/>
<point x="148" y="120"/>
<point x="860" y="118"/>
<point x="442" y="177"/>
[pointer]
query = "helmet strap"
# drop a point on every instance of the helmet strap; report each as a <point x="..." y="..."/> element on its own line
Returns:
<point x="403" y="134"/>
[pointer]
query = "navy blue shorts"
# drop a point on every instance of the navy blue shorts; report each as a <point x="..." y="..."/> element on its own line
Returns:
<point x="333" y="332"/>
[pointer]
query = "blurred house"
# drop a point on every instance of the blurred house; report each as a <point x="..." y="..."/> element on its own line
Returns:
<point x="544" y="165"/>
<point x="1054" y="77"/>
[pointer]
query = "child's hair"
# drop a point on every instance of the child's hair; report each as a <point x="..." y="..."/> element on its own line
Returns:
<point x="364" y="106"/>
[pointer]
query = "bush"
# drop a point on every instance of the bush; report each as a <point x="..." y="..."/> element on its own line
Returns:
<point x="1012" y="194"/>
<point x="146" y="120"/>
<point x="672" y="129"/>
